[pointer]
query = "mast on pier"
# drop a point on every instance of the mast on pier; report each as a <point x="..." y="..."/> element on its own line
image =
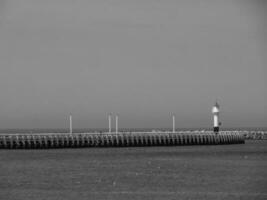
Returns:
<point x="173" y="123"/>
<point x="117" y="123"/>
<point x="70" y="123"/>
<point x="109" y="123"/>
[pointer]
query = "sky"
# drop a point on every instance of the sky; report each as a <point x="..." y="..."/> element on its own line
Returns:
<point x="141" y="59"/>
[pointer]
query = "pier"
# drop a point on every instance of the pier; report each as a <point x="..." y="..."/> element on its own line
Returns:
<point x="120" y="139"/>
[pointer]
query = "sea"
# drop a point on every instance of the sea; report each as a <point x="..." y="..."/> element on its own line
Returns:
<point x="200" y="172"/>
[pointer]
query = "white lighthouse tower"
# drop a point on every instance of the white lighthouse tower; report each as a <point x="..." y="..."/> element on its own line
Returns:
<point x="215" y="112"/>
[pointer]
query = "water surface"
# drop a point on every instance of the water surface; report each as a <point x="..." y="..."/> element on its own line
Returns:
<point x="182" y="172"/>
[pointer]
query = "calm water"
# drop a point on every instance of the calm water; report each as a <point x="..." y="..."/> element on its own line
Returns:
<point x="183" y="172"/>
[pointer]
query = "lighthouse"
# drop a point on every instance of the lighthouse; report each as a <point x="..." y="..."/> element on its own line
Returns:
<point x="215" y="112"/>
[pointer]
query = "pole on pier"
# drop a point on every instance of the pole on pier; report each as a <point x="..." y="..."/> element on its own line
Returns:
<point x="116" y="118"/>
<point x="173" y="123"/>
<point x="109" y="123"/>
<point x="70" y="123"/>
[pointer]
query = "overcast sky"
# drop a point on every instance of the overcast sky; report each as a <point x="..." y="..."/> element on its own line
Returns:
<point x="142" y="59"/>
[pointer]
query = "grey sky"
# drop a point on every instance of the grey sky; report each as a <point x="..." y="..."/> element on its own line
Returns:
<point x="142" y="59"/>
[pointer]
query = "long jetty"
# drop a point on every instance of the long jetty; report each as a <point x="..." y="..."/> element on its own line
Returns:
<point x="121" y="139"/>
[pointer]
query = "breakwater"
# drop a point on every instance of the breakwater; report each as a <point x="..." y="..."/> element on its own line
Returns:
<point x="50" y="140"/>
